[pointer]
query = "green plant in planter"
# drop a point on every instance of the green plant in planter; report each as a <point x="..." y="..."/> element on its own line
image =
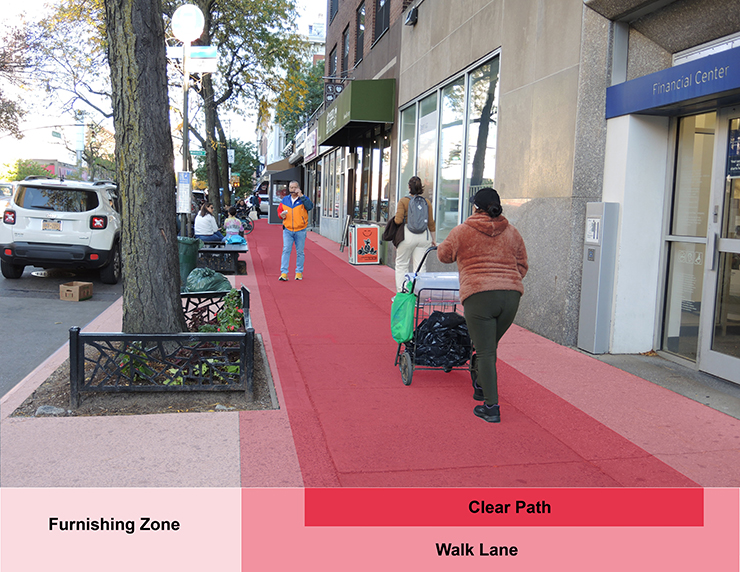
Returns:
<point x="231" y="316"/>
<point x="134" y="364"/>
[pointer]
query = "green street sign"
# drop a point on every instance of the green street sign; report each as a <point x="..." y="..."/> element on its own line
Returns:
<point x="198" y="153"/>
<point x="235" y="175"/>
<point x="56" y="134"/>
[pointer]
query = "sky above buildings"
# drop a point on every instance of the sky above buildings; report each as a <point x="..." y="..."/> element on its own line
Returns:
<point x="40" y="123"/>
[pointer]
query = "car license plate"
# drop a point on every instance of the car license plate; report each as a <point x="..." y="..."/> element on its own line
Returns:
<point x="51" y="225"/>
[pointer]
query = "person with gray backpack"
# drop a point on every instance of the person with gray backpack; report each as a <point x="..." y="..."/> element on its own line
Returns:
<point x="415" y="213"/>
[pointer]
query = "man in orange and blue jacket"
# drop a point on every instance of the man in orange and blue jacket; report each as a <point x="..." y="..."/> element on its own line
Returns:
<point x="293" y="209"/>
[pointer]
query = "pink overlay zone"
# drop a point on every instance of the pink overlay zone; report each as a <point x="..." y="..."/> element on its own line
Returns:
<point x="171" y="529"/>
<point x="265" y="529"/>
<point x="569" y="420"/>
<point x="272" y="516"/>
<point x="346" y="420"/>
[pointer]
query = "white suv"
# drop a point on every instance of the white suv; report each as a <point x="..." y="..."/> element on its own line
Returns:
<point x="62" y="224"/>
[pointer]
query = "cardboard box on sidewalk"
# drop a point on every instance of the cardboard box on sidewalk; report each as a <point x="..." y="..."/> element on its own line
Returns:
<point x="75" y="291"/>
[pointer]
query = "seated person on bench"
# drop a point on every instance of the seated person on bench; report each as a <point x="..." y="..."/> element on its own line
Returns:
<point x="206" y="227"/>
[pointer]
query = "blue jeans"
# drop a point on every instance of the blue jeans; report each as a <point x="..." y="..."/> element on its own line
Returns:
<point x="215" y="237"/>
<point x="298" y="238"/>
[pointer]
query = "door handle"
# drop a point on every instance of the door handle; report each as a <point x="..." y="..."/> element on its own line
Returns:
<point x="712" y="251"/>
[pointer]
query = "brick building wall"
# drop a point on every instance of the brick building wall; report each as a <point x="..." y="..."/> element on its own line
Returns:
<point x="346" y="20"/>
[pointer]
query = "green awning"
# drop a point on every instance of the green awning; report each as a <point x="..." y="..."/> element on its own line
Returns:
<point x="362" y="104"/>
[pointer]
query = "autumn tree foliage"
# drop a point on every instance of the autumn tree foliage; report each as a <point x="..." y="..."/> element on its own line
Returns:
<point x="16" y="60"/>
<point x="303" y="95"/>
<point x="256" y="40"/>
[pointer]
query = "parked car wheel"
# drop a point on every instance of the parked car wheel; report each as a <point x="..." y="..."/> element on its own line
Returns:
<point x="12" y="271"/>
<point x="111" y="273"/>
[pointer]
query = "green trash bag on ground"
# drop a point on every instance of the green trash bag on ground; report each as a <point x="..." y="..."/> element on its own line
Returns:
<point x="402" y="317"/>
<point x="206" y="280"/>
<point x="188" y="252"/>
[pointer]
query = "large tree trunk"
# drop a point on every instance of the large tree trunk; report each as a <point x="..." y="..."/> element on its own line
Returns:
<point x="145" y="167"/>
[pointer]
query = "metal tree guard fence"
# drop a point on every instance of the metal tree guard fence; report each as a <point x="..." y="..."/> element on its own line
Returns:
<point x="189" y="361"/>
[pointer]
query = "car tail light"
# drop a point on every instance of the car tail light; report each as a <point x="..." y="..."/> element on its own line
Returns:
<point x="8" y="252"/>
<point x="9" y="217"/>
<point x="98" y="222"/>
<point x="94" y="257"/>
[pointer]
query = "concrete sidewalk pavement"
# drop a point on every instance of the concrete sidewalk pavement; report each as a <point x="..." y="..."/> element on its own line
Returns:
<point x="568" y="419"/>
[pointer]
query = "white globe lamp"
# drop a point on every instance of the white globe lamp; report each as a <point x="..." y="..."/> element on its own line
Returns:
<point x="187" y="23"/>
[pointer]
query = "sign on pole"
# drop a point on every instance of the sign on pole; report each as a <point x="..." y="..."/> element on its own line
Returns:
<point x="184" y="194"/>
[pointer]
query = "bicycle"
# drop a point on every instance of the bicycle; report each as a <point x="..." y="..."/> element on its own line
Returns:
<point x="247" y="222"/>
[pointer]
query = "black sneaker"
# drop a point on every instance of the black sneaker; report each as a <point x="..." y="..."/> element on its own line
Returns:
<point x="478" y="392"/>
<point x="488" y="413"/>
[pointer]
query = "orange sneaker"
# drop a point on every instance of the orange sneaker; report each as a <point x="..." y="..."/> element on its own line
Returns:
<point x="299" y="275"/>
<point x="283" y="278"/>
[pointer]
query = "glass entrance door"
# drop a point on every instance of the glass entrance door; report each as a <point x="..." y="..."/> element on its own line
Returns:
<point x="687" y="234"/>
<point x="720" y="329"/>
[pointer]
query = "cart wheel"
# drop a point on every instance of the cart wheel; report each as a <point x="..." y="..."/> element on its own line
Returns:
<point x="407" y="368"/>
<point x="447" y="369"/>
<point x="474" y="367"/>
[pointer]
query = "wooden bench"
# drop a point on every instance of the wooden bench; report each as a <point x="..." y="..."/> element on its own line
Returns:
<point x="221" y="257"/>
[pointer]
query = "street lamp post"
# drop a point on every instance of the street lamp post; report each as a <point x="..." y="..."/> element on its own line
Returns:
<point x="187" y="25"/>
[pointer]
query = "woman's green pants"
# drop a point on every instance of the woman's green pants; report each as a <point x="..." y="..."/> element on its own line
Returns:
<point x="489" y="315"/>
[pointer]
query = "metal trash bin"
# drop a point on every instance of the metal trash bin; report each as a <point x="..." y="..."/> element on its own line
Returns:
<point x="188" y="254"/>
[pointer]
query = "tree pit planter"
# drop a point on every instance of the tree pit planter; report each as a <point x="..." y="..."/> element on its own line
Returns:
<point x="173" y="363"/>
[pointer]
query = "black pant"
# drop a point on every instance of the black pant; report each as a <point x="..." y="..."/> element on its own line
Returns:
<point x="489" y="315"/>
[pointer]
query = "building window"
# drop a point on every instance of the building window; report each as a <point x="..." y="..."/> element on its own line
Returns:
<point x="333" y="177"/>
<point x="407" y="160"/>
<point x="482" y="130"/>
<point x="372" y="179"/>
<point x="360" y="33"/>
<point x="448" y="139"/>
<point x="333" y="63"/>
<point x="382" y="16"/>
<point x="345" y="52"/>
<point x="450" y="164"/>
<point x="333" y="9"/>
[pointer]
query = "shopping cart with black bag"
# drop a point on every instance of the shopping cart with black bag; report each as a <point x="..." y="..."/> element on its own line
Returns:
<point x="440" y="337"/>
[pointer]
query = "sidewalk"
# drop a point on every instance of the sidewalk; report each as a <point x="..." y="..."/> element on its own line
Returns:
<point x="346" y="419"/>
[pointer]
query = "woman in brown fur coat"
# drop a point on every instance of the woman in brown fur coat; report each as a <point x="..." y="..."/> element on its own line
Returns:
<point x="492" y="261"/>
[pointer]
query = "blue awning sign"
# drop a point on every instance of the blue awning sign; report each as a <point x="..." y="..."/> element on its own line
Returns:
<point x="713" y="75"/>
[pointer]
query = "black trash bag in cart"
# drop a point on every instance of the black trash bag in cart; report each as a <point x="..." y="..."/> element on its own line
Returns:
<point x="442" y="340"/>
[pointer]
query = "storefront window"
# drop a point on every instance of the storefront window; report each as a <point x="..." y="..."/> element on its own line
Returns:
<point x="373" y="205"/>
<point x="408" y="147"/>
<point x="458" y="158"/>
<point x="427" y="161"/>
<point x="319" y="185"/>
<point x="482" y="130"/>
<point x="330" y="175"/>
<point x="363" y="155"/>
<point x="450" y="172"/>
<point x="385" y="179"/>
<point x="338" y="181"/>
